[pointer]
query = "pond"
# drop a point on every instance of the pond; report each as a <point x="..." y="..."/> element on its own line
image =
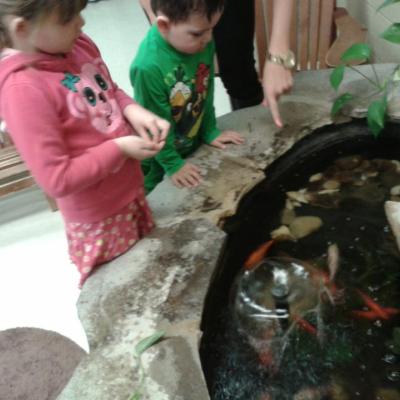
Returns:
<point x="317" y="227"/>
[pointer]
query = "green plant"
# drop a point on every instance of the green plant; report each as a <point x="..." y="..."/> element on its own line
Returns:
<point x="377" y="108"/>
<point x="140" y="348"/>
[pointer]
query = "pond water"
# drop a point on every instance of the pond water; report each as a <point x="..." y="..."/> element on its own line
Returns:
<point x="335" y="332"/>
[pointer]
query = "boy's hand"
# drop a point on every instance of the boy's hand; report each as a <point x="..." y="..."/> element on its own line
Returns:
<point x="187" y="176"/>
<point x="227" y="137"/>
<point x="137" y="147"/>
<point x="147" y="124"/>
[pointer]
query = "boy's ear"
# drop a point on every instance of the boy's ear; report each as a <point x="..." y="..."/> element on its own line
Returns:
<point x="163" y="23"/>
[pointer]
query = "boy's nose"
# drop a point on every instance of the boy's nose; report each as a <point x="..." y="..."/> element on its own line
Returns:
<point x="208" y="37"/>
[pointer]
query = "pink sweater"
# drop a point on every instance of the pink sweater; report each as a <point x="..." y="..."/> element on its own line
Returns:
<point x="61" y="112"/>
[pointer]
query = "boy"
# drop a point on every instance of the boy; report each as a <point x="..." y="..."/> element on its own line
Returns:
<point x="173" y="76"/>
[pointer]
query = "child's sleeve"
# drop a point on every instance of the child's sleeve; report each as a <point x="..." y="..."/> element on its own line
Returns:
<point x="34" y="124"/>
<point x="209" y="130"/>
<point x="152" y="94"/>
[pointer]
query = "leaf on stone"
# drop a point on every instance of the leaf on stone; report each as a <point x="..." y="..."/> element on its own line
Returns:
<point x="392" y="34"/>
<point x="387" y="3"/>
<point x="135" y="396"/>
<point x="357" y="52"/>
<point x="340" y="102"/>
<point x="376" y="115"/>
<point x="396" y="75"/>
<point x="337" y="76"/>
<point x="147" y="342"/>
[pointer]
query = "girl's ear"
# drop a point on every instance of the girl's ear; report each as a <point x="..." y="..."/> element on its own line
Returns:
<point x="163" y="23"/>
<point x="18" y="27"/>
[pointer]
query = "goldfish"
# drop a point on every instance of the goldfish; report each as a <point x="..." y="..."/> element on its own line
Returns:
<point x="370" y="303"/>
<point x="375" y="311"/>
<point x="305" y="325"/>
<point x="257" y="255"/>
<point x="333" y="260"/>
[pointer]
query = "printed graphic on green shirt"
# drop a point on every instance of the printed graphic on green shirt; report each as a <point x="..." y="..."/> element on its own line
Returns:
<point x="187" y="98"/>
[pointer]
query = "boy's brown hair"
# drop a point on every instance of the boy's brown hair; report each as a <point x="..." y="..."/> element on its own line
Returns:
<point x="34" y="9"/>
<point x="180" y="10"/>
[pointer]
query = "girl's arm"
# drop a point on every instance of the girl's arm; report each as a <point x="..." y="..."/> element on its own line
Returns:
<point x="34" y="125"/>
<point x="147" y="124"/>
<point x="278" y="80"/>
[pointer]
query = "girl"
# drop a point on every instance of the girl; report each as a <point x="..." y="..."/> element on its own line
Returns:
<point x="80" y="135"/>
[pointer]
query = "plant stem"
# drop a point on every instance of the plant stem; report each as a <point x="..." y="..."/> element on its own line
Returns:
<point x="365" y="76"/>
<point x="376" y="75"/>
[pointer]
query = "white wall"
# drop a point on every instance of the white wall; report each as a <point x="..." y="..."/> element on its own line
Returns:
<point x="376" y="22"/>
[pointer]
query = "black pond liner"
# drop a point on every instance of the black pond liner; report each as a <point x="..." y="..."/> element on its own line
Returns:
<point x="258" y="213"/>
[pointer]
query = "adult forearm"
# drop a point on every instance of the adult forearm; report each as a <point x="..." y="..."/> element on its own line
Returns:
<point x="147" y="9"/>
<point x="282" y="17"/>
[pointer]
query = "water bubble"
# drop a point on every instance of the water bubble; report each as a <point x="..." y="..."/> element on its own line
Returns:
<point x="378" y="323"/>
<point x="356" y="239"/>
<point x="348" y="218"/>
<point x="394" y="376"/>
<point x="351" y="247"/>
<point x="363" y="367"/>
<point x="386" y="229"/>
<point x="369" y="332"/>
<point x="389" y="358"/>
<point x="362" y="228"/>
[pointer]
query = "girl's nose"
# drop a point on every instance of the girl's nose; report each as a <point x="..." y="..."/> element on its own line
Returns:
<point x="81" y="21"/>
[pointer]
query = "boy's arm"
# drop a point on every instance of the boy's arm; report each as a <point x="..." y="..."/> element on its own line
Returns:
<point x="37" y="135"/>
<point x="150" y="92"/>
<point x="209" y="130"/>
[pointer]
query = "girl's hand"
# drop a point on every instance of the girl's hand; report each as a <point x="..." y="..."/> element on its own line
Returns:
<point x="227" y="137"/>
<point x="277" y="80"/>
<point x="147" y="124"/>
<point x="137" y="147"/>
<point x="187" y="176"/>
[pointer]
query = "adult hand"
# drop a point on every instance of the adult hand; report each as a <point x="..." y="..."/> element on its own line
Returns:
<point x="187" y="176"/>
<point x="227" y="137"/>
<point x="277" y="80"/>
<point x="137" y="147"/>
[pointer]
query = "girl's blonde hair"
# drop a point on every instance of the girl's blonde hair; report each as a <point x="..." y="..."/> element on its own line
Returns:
<point x="33" y="9"/>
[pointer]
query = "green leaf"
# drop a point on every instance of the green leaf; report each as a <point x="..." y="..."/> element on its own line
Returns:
<point x="396" y="74"/>
<point x="135" y="396"/>
<point x="357" y="52"/>
<point x="340" y="102"/>
<point x="147" y="342"/>
<point x="337" y="76"/>
<point x="387" y="3"/>
<point x="376" y="115"/>
<point x="392" y="34"/>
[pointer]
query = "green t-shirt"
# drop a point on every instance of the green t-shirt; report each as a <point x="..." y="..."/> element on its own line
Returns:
<point x="179" y="88"/>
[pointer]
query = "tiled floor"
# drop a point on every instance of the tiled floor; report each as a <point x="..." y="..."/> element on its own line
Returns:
<point x="38" y="285"/>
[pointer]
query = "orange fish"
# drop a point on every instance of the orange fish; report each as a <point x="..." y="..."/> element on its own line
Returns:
<point x="376" y="311"/>
<point x="374" y="306"/>
<point x="257" y="255"/>
<point x="266" y="358"/>
<point x="305" y="325"/>
<point x="371" y="315"/>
